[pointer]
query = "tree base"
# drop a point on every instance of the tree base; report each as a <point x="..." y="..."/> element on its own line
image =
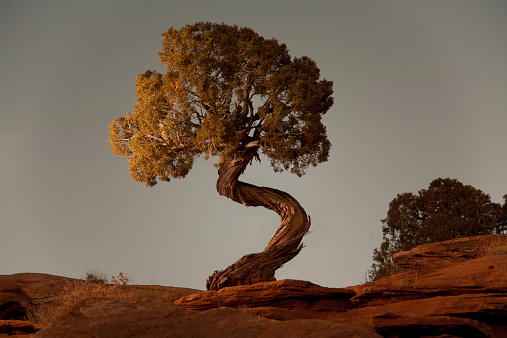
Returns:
<point x="257" y="267"/>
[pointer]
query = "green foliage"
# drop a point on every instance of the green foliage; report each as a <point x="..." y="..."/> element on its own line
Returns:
<point x="502" y="222"/>
<point x="446" y="210"/>
<point x="204" y="105"/>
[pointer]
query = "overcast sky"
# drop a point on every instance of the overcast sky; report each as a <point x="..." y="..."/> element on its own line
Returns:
<point x="420" y="93"/>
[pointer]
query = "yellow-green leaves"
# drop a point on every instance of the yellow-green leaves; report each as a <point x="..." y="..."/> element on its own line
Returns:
<point x="156" y="138"/>
<point x="121" y="132"/>
<point x="204" y="104"/>
<point x="218" y="136"/>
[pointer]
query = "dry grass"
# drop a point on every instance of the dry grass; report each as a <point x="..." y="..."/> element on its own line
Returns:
<point x="395" y="275"/>
<point x="77" y="290"/>
<point x="405" y="278"/>
<point x="152" y="291"/>
<point x="385" y="272"/>
<point x="95" y="285"/>
<point x="495" y="248"/>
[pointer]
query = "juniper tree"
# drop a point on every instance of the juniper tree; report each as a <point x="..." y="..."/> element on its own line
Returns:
<point x="230" y="94"/>
<point x="447" y="209"/>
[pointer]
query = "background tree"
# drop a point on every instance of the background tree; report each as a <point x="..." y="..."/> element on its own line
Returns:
<point x="446" y="210"/>
<point x="231" y="94"/>
<point x="502" y="222"/>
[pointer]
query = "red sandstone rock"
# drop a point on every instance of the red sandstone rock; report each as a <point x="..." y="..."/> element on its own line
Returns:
<point x="441" y="326"/>
<point x="168" y="293"/>
<point x="282" y="314"/>
<point x="486" y="308"/>
<point x="152" y="317"/>
<point x="14" y="301"/>
<point x="478" y="276"/>
<point x="449" y="289"/>
<point x="42" y="288"/>
<point x="437" y="255"/>
<point x="17" y="327"/>
<point x="286" y="294"/>
<point x="464" y="292"/>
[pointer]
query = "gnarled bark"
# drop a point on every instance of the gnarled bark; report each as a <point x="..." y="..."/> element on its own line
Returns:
<point x="285" y="244"/>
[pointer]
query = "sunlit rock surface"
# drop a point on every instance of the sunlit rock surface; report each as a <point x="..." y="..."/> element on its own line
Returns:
<point x="456" y="288"/>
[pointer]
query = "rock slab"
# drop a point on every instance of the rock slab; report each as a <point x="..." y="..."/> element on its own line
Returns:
<point x="456" y="288"/>
<point x="14" y="301"/>
<point x="152" y="317"/>
<point x="285" y="294"/>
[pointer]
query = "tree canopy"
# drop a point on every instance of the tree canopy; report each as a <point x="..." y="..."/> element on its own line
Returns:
<point x="230" y="93"/>
<point x="447" y="209"/>
<point x="225" y="88"/>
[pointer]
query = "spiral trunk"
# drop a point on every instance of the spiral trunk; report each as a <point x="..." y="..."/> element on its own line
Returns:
<point x="285" y="244"/>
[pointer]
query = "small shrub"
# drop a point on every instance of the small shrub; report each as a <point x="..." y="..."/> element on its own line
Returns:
<point x="96" y="277"/>
<point x="121" y="280"/>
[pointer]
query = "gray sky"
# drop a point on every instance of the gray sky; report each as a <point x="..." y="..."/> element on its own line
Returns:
<point x="420" y="93"/>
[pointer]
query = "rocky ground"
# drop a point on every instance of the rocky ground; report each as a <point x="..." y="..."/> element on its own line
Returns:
<point x="456" y="288"/>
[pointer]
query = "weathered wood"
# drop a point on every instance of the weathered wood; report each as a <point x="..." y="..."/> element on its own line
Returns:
<point x="285" y="244"/>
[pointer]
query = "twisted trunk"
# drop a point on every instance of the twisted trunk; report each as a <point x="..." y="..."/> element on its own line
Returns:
<point x="285" y="244"/>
